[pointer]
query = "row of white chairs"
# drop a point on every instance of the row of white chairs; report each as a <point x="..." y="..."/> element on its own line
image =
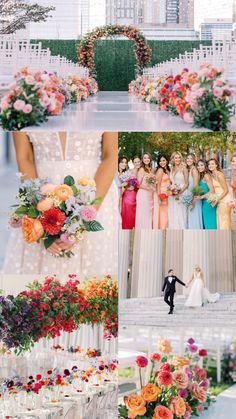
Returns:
<point x="16" y="53"/>
<point x="222" y="53"/>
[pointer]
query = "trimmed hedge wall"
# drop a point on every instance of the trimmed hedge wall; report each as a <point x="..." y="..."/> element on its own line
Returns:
<point x="115" y="59"/>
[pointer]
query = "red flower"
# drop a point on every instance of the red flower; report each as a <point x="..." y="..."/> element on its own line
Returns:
<point x="38" y="377"/>
<point x="165" y="367"/>
<point x="202" y="352"/>
<point x="52" y="221"/>
<point x="164" y="378"/>
<point x="155" y="357"/>
<point x="141" y="361"/>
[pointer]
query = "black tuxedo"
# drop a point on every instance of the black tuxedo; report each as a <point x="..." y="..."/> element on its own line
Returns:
<point x="170" y="288"/>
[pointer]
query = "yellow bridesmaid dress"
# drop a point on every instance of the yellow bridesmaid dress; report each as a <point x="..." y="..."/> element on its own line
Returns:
<point x="223" y="211"/>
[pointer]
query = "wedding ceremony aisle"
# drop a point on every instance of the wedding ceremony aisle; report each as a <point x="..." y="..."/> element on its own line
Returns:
<point x="107" y="110"/>
<point x="225" y="406"/>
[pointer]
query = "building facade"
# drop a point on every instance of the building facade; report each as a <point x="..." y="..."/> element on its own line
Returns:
<point x="216" y="29"/>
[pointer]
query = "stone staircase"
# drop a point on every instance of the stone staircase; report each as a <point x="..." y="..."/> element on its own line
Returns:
<point x="154" y="312"/>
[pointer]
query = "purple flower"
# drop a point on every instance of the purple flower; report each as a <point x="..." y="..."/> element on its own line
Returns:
<point x="183" y="393"/>
<point x="193" y="348"/>
<point x="191" y="341"/>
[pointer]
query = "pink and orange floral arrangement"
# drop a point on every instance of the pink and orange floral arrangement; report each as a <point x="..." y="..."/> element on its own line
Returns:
<point x="178" y="387"/>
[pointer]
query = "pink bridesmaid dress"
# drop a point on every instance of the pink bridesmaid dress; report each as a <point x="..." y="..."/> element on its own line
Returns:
<point x="160" y="217"/>
<point x="128" y="209"/>
<point x="144" y="206"/>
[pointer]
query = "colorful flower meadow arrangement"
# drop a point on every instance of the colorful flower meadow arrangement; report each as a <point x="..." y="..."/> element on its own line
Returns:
<point x="34" y="96"/>
<point x="46" y="309"/>
<point x="46" y="212"/>
<point x="201" y="98"/>
<point x="177" y="388"/>
<point x="86" y="46"/>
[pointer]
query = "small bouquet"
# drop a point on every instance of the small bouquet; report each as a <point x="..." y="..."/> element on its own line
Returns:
<point x="125" y="176"/>
<point x="151" y="180"/>
<point x="187" y="199"/>
<point x="163" y="196"/>
<point x="132" y="183"/>
<point x="47" y="212"/>
<point x="174" y="190"/>
<point x="212" y="199"/>
<point x="232" y="204"/>
<point x="197" y="190"/>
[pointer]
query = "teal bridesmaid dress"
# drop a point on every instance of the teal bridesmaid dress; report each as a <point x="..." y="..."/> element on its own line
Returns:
<point x="208" y="212"/>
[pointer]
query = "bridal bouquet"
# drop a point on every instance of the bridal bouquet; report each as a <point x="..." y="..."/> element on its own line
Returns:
<point x="151" y="180"/>
<point x="174" y="190"/>
<point x="47" y="212"/>
<point x="177" y="388"/>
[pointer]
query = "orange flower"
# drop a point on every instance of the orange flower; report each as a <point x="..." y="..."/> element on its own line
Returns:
<point x="86" y="181"/>
<point x="164" y="346"/>
<point x="45" y="204"/>
<point x="135" y="405"/>
<point x="32" y="229"/>
<point x="161" y="412"/>
<point x="200" y="394"/>
<point x="150" y="393"/>
<point x="179" y="362"/>
<point x="178" y="406"/>
<point x="62" y="192"/>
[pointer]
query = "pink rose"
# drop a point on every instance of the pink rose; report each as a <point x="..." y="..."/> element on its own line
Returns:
<point x="14" y="222"/>
<point x="45" y="101"/>
<point x="19" y="105"/>
<point x="188" y="117"/>
<point x="218" y="91"/>
<point x="47" y="188"/>
<point x="88" y="213"/>
<point x="29" y="80"/>
<point x="200" y="408"/>
<point x="27" y="108"/>
<point x="4" y="105"/>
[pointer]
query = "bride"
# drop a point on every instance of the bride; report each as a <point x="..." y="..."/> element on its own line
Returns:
<point x="199" y="294"/>
<point x="55" y="155"/>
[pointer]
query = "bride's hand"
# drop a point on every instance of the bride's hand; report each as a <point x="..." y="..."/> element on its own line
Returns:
<point x="59" y="246"/>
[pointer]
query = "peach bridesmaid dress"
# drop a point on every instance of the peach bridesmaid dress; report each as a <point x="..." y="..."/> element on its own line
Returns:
<point x="144" y="206"/>
<point x="160" y="217"/>
<point x="223" y="211"/>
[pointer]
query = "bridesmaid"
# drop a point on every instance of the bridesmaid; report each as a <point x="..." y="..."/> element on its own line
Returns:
<point x="129" y="199"/>
<point x="122" y="167"/>
<point x="160" y="219"/>
<point x="205" y="182"/>
<point x="233" y="175"/>
<point x="177" y="211"/>
<point x="195" y="210"/>
<point x="223" y="211"/>
<point x="144" y="207"/>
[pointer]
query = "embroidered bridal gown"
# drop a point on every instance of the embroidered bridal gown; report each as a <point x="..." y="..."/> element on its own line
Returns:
<point x="97" y="253"/>
<point x="200" y="295"/>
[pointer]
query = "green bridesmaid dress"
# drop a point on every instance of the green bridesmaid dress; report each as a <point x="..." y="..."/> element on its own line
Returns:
<point x="208" y="212"/>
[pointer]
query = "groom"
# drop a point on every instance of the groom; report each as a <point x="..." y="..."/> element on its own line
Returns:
<point x="169" y="288"/>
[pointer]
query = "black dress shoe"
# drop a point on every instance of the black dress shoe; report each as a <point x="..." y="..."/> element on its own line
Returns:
<point x="170" y="312"/>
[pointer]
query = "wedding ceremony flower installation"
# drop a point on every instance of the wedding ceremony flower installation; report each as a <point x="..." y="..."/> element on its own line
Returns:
<point x="177" y="181"/>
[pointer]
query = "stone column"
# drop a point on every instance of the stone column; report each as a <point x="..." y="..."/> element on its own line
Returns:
<point x="123" y="247"/>
<point x="147" y="272"/>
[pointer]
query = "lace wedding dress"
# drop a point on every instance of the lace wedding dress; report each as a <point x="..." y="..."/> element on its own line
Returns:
<point x="97" y="254"/>
<point x="200" y="295"/>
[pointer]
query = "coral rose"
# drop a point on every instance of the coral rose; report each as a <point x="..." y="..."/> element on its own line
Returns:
<point x="164" y="346"/>
<point x="162" y="412"/>
<point x="86" y="181"/>
<point x="150" y="393"/>
<point x="178" y="406"/>
<point x="63" y="192"/>
<point x="32" y="229"/>
<point x="135" y="405"/>
<point x="164" y="378"/>
<point x="200" y="394"/>
<point x="180" y="379"/>
<point x="179" y="362"/>
<point x="45" y="204"/>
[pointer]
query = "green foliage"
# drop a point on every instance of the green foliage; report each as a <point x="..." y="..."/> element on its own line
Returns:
<point x="69" y="181"/>
<point x="93" y="226"/>
<point x="133" y="143"/>
<point x="115" y="58"/>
